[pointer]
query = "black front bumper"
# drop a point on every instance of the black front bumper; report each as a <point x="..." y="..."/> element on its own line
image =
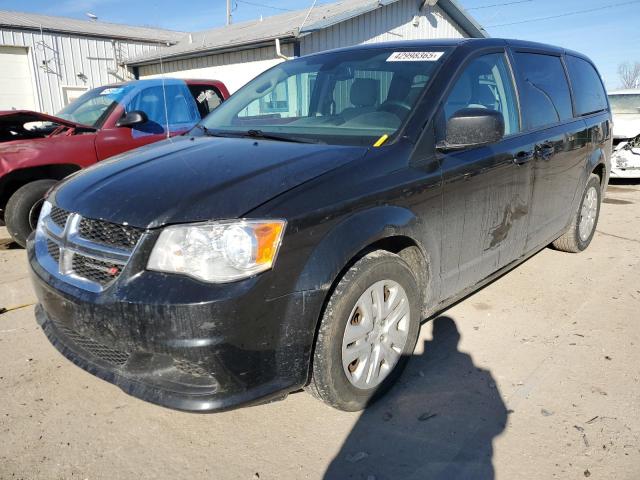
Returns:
<point x="180" y="343"/>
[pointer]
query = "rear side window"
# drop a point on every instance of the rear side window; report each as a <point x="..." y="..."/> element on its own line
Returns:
<point x="546" y="98"/>
<point x="587" y="86"/>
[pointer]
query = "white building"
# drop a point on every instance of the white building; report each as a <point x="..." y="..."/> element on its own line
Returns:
<point x="47" y="61"/>
<point x="237" y="53"/>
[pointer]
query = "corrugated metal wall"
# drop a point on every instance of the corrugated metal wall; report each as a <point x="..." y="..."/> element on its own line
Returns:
<point x="234" y="68"/>
<point x="57" y="59"/>
<point x="393" y="22"/>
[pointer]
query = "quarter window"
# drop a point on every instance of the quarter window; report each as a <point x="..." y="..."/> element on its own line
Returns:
<point x="486" y="83"/>
<point x="587" y="86"/>
<point x="546" y="98"/>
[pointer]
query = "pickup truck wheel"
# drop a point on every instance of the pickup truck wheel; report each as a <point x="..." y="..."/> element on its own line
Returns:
<point x="585" y="220"/>
<point x="367" y="333"/>
<point x="23" y="209"/>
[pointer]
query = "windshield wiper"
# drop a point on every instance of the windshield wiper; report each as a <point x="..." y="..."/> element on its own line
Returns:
<point x="206" y="131"/>
<point x="275" y="136"/>
<point x="255" y="134"/>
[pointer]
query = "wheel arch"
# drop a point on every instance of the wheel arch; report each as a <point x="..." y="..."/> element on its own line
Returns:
<point x="15" y="179"/>
<point x="597" y="164"/>
<point x="601" y="170"/>
<point x="389" y="228"/>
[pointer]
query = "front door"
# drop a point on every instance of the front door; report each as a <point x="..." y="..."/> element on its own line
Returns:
<point x="171" y="110"/>
<point x="487" y="190"/>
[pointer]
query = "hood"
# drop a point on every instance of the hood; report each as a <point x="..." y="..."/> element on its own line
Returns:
<point x="626" y="125"/>
<point x="196" y="179"/>
<point x="12" y="124"/>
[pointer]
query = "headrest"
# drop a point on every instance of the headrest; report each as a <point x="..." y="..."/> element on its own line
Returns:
<point x="150" y="98"/>
<point x="365" y="92"/>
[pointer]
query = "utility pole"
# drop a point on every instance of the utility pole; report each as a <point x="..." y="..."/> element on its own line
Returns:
<point x="228" y="12"/>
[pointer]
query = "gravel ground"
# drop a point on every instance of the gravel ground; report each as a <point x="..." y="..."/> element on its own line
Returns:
<point x="535" y="376"/>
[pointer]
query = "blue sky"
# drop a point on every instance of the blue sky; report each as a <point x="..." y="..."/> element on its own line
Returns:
<point x="609" y="35"/>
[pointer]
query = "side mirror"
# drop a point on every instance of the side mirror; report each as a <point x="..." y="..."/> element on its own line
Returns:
<point x="472" y="127"/>
<point x="131" y="119"/>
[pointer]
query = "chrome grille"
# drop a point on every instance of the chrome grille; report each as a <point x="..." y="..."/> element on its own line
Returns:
<point x="97" y="271"/>
<point x="120" y="236"/>
<point x="88" y="253"/>
<point x="53" y="249"/>
<point x="59" y="216"/>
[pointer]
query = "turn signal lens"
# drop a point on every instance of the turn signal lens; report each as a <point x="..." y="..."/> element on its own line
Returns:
<point x="268" y="236"/>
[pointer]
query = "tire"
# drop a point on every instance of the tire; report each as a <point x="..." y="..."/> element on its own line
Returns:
<point x="574" y="240"/>
<point x="23" y="208"/>
<point x="376" y="275"/>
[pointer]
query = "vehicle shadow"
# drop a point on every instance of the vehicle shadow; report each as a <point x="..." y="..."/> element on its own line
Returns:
<point x="438" y="422"/>
<point x="8" y="244"/>
<point x="624" y="181"/>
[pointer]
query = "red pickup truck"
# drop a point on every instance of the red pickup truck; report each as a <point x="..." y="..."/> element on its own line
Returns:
<point x="37" y="150"/>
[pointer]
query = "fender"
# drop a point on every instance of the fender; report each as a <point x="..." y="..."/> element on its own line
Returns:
<point x="361" y="230"/>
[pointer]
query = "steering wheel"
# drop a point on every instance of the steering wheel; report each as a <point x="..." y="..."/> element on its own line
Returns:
<point x="396" y="107"/>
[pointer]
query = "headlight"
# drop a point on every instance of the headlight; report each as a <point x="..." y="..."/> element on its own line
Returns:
<point x="218" y="252"/>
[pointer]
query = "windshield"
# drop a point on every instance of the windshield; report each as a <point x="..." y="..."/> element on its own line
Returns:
<point x="629" y="103"/>
<point x="93" y="107"/>
<point x="350" y="97"/>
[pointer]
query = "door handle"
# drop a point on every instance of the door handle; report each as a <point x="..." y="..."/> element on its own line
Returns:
<point x="545" y="151"/>
<point x="523" y="157"/>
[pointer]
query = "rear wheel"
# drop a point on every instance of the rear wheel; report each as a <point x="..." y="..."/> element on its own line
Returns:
<point x="368" y="331"/>
<point x="23" y="209"/>
<point x="585" y="220"/>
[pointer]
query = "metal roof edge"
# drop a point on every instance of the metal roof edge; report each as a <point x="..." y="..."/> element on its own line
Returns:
<point x="459" y="15"/>
<point x="334" y="20"/>
<point x="115" y="36"/>
<point x="17" y="20"/>
<point x="155" y="58"/>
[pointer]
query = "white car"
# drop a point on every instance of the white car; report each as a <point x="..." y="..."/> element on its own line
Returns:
<point x="625" y="106"/>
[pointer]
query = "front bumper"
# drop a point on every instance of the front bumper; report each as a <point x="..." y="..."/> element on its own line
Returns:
<point x="625" y="163"/>
<point x="180" y="343"/>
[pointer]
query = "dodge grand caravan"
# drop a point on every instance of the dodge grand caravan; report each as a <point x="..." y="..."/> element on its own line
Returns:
<point x="298" y="236"/>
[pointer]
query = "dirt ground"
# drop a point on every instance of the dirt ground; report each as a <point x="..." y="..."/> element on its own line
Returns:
<point x="535" y="376"/>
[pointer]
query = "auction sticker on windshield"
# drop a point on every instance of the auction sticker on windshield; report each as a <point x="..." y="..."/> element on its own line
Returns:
<point x="415" y="56"/>
<point x="112" y="91"/>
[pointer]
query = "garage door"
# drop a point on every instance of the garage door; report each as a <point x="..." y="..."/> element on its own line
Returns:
<point x="16" y="88"/>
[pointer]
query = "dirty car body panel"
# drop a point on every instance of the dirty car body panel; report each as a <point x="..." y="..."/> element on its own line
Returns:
<point x="471" y="213"/>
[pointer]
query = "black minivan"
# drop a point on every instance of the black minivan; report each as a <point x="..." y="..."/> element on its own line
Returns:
<point x="301" y="233"/>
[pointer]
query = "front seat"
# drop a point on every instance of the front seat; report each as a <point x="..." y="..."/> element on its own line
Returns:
<point x="364" y="96"/>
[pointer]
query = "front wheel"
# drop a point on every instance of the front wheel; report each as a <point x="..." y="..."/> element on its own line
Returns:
<point x="367" y="333"/>
<point x="585" y="220"/>
<point x="23" y="209"/>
